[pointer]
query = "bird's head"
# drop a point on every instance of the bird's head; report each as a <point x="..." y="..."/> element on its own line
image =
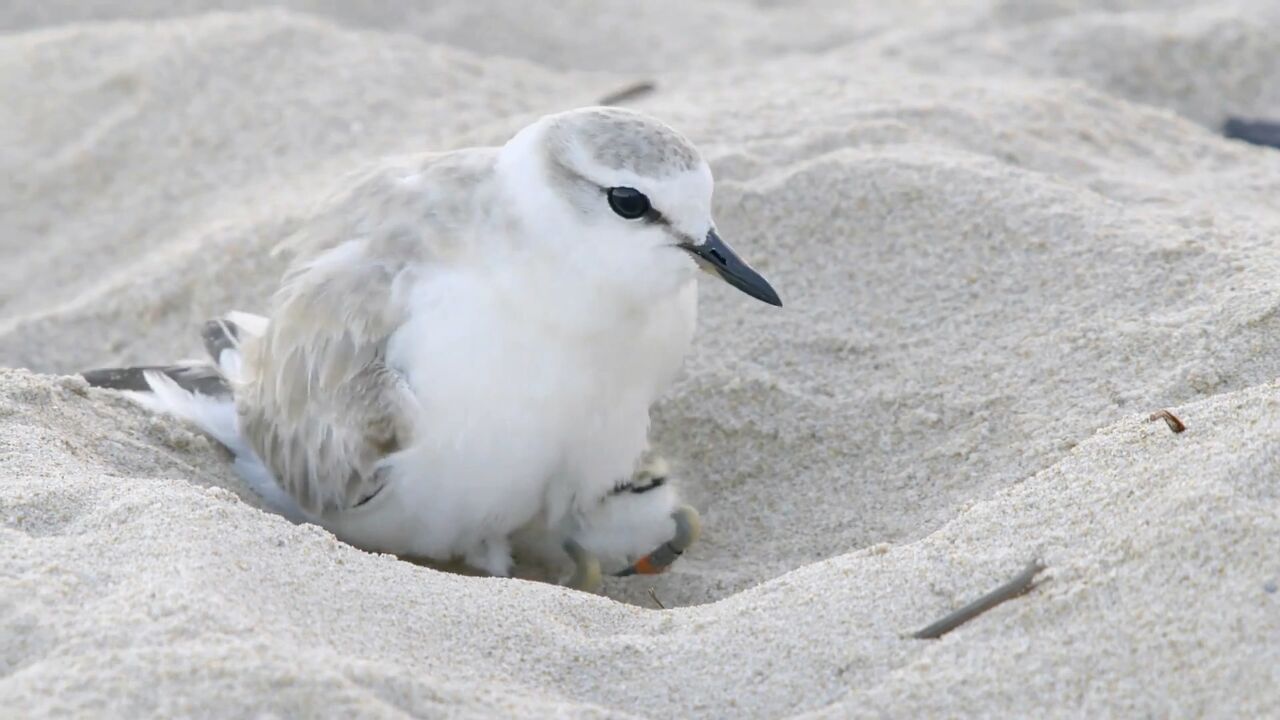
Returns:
<point x="625" y="196"/>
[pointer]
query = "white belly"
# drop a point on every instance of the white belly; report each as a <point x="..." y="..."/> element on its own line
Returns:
<point x="520" y="418"/>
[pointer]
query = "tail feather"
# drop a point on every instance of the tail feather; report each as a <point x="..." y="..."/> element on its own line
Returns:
<point x="201" y="393"/>
<point x="217" y="416"/>
<point x="196" y="377"/>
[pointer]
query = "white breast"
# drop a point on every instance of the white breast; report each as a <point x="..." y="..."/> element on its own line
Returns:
<point x="527" y="409"/>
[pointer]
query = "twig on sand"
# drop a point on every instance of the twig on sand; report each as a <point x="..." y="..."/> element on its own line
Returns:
<point x="1174" y="423"/>
<point x="654" y="594"/>
<point x="629" y="92"/>
<point x="1012" y="589"/>
<point x="1258" y="132"/>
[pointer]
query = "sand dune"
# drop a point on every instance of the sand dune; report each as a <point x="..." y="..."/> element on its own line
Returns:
<point x="1005" y="233"/>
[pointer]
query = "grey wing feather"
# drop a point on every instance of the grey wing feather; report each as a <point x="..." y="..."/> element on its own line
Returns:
<point x="316" y="399"/>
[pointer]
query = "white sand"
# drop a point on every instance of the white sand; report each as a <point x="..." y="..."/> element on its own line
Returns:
<point x="1005" y="233"/>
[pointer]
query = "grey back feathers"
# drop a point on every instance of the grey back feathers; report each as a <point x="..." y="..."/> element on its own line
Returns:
<point x="407" y="209"/>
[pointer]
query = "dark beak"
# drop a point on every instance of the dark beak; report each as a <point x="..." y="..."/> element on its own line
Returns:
<point x="714" y="254"/>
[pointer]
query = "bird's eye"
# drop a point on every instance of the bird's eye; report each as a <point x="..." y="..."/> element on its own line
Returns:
<point x="629" y="203"/>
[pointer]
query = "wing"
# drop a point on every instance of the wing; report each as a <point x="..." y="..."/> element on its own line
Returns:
<point x="315" y="397"/>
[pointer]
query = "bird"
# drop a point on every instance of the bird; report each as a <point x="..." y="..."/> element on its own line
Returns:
<point x="460" y="361"/>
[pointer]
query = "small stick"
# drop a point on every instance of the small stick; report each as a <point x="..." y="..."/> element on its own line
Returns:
<point x="1012" y="589"/>
<point x="1169" y="419"/>
<point x="654" y="594"/>
<point x="630" y="92"/>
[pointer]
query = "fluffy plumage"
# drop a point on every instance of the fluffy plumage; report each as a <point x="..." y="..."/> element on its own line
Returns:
<point x="467" y="350"/>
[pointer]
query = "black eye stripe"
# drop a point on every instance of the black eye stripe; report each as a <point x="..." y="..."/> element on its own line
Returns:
<point x="653" y="216"/>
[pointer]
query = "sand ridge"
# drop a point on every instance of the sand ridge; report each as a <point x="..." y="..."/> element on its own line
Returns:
<point x="1004" y="233"/>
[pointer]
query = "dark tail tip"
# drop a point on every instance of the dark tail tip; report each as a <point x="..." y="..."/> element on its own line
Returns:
<point x="200" y="379"/>
<point x="133" y="378"/>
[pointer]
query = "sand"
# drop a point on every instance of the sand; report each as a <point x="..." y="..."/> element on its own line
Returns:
<point x="1005" y="233"/>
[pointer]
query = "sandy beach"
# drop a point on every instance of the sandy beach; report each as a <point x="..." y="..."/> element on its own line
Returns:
<point x="1006" y="233"/>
